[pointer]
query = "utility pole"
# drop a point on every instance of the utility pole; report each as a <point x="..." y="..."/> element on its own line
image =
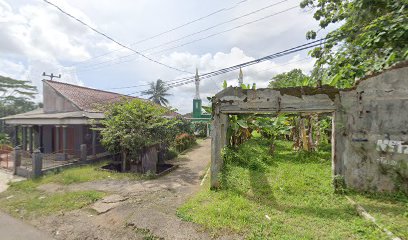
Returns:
<point x="51" y="76"/>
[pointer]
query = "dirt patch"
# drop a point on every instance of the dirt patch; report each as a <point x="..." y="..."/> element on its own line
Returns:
<point x="149" y="211"/>
<point x="51" y="188"/>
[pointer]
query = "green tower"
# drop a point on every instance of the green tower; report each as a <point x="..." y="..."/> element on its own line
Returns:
<point x="197" y="100"/>
<point x="197" y="108"/>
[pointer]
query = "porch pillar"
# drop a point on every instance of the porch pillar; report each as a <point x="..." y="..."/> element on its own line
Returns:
<point x="16" y="142"/>
<point x="24" y="138"/>
<point x="40" y="138"/>
<point x="93" y="142"/>
<point x="57" y="138"/>
<point x="218" y="141"/>
<point x="64" y="139"/>
<point x="30" y="138"/>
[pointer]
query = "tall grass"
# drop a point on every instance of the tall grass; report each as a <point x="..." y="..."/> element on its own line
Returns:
<point x="287" y="195"/>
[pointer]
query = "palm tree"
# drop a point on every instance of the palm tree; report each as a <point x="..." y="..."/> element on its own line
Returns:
<point x="158" y="92"/>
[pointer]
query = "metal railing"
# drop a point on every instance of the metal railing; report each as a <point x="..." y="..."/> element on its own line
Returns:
<point x="5" y="156"/>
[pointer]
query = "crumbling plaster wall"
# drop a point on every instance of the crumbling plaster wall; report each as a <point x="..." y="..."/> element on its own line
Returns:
<point x="373" y="133"/>
<point x="370" y="130"/>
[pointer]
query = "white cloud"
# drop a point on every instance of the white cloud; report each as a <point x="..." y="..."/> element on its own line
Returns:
<point x="260" y="74"/>
<point x="36" y="37"/>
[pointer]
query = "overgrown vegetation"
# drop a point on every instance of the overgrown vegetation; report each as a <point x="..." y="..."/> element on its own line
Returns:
<point x="372" y="35"/>
<point x="287" y="195"/>
<point x="131" y="125"/>
<point x="306" y="132"/>
<point x="184" y="141"/>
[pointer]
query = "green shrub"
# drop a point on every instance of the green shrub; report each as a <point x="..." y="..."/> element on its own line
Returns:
<point x="184" y="141"/>
<point x="4" y="139"/>
<point x="171" y="153"/>
<point x="200" y="129"/>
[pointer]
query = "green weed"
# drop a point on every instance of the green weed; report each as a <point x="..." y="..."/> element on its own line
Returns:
<point x="288" y="195"/>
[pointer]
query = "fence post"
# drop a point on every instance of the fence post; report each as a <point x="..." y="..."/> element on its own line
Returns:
<point x="83" y="152"/>
<point x="16" y="159"/>
<point x="37" y="163"/>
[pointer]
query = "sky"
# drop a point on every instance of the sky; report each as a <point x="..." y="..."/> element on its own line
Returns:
<point x="35" y="38"/>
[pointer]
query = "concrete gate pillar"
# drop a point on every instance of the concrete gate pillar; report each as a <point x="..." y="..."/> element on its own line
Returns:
<point x="64" y="139"/>
<point x="218" y="142"/>
<point x="337" y="140"/>
<point x="24" y="138"/>
<point x="93" y="142"/>
<point x="30" y="139"/>
<point x="16" y="142"/>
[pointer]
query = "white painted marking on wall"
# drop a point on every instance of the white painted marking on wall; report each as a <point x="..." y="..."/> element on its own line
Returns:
<point x="392" y="146"/>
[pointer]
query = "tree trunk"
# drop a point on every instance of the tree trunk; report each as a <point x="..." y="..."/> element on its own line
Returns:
<point x="310" y="133"/>
<point x="296" y="133"/>
<point x="303" y="134"/>
<point x="317" y="140"/>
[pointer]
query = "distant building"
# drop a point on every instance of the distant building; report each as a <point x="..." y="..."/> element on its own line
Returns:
<point x="198" y="115"/>
<point x="65" y="121"/>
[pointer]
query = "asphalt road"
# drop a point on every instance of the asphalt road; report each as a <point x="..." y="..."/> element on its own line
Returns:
<point x="11" y="228"/>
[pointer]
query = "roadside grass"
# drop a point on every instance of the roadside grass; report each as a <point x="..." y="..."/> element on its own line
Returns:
<point x="24" y="199"/>
<point x="284" y="196"/>
<point x="34" y="203"/>
<point x="391" y="211"/>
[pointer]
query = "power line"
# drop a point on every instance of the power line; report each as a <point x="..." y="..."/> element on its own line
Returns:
<point x="186" y="36"/>
<point x="183" y="81"/>
<point x="228" y="30"/>
<point x="242" y="65"/>
<point x="180" y="80"/>
<point x="169" y="30"/>
<point x="256" y="61"/>
<point x="112" y="39"/>
<point x="216" y="25"/>
<point x="95" y="66"/>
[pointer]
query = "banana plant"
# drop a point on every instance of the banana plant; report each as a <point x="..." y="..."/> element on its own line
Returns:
<point x="240" y="129"/>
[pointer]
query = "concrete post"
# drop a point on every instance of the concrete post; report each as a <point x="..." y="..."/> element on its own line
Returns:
<point x="337" y="144"/>
<point x="83" y="152"/>
<point x="93" y="142"/>
<point x="16" y="159"/>
<point x="224" y="127"/>
<point x="208" y="130"/>
<point x="16" y="142"/>
<point x="220" y="125"/>
<point x="37" y="163"/>
<point x="57" y="138"/>
<point x="40" y="138"/>
<point x="64" y="139"/>
<point x="24" y="140"/>
<point x="30" y="138"/>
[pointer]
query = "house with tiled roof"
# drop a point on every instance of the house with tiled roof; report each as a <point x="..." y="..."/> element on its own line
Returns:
<point x="65" y="121"/>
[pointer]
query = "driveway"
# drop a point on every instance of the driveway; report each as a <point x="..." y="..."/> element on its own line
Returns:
<point x="149" y="211"/>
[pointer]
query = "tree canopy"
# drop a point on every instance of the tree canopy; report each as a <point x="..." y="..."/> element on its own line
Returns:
<point x="158" y="92"/>
<point x="131" y="125"/>
<point x="16" y="96"/>
<point x="373" y="35"/>
<point x="292" y="78"/>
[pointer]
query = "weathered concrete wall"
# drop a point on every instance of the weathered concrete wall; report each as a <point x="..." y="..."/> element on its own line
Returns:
<point x="266" y="100"/>
<point x="374" y="133"/>
<point x="370" y="130"/>
<point x="54" y="102"/>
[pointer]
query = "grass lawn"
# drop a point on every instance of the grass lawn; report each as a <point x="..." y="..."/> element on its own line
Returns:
<point x="284" y="196"/>
<point x="24" y="199"/>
